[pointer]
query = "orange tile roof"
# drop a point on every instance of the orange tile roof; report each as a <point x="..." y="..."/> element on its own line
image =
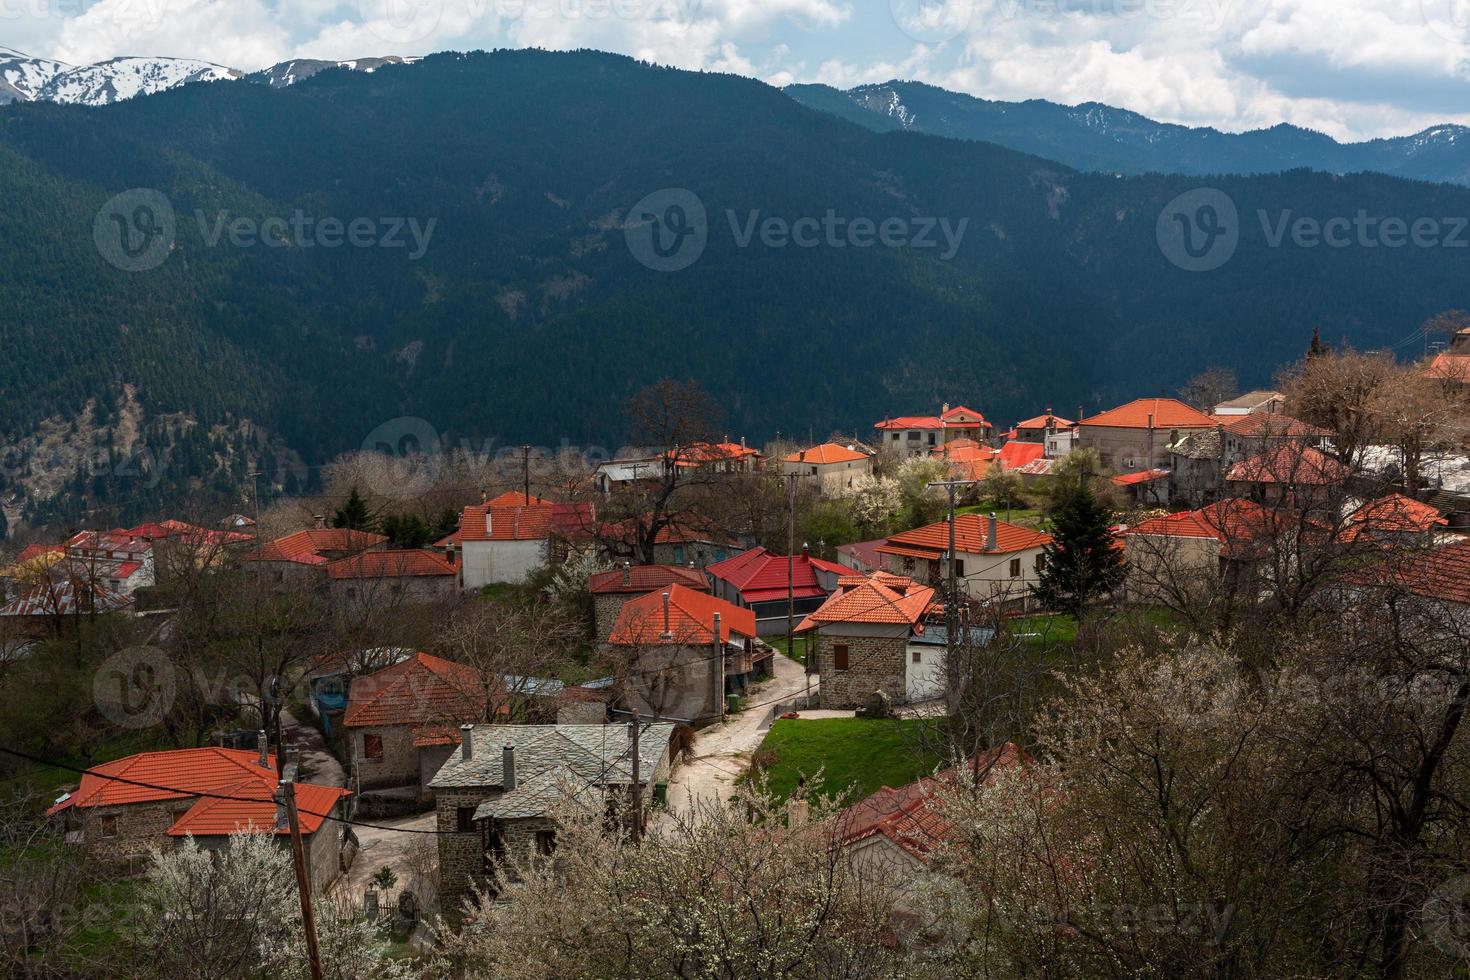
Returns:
<point x="1242" y="525"/>
<point x="1044" y="422"/>
<point x="516" y="498"/>
<point x="304" y="547"/>
<point x="1272" y="425"/>
<point x="1142" y="476"/>
<point x="971" y="532"/>
<point x="185" y="773"/>
<point x="870" y="601"/>
<point x="1017" y="454"/>
<point x="825" y="454"/>
<point x="1450" y="367"/>
<point x="1441" y="573"/>
<point x="690" y="619"/>
<point x="220" y="818"/>
<point x="646" y="578"/>
<point x="415" y="563"/>
<point x="1167" y="413"/>
<point x="524" y="522"/>
<point x="421" y="690"/>
<point x="952" y="418"/>
<point x="1397" y="513"/>
<point x="704" y="453"/>
<point x="1289" y="463"/>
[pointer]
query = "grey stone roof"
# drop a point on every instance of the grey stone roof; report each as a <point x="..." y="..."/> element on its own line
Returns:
<point x="598" y="754"/>
<point x="1204" y="444"/>
<point x="532" y="798"/>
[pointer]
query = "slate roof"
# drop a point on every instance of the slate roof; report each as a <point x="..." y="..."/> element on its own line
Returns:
<point x="1201" y="444"/>
<point x="594" y="754"/>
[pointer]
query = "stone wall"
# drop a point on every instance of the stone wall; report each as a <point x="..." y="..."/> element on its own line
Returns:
<point x="874" y="663"/>
<point x="461" y="856"/>
<point x="139" y="827"/>
<point x="606" y="607"/>
<point x="399" y="765"/>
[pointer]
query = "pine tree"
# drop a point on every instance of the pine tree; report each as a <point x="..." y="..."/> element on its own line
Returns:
<point x="1082" y="563"/>
<point x="353" y="515"/>
<point x="1318" y="348"/>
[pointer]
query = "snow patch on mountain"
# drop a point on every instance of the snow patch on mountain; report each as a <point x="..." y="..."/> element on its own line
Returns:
<point x="124" y="78"/>
<point x="22" y="76"/>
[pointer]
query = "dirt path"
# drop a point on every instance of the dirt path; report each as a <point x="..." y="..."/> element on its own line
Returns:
<point x="387" y="847"/>
<point x="723" y="751"/>
<point x="318" y="764"/>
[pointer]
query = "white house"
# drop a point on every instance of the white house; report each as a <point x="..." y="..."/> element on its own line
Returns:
<point x="508" y="538"/>
<point x="832" y="467"/>
<point x="993" y="559"/>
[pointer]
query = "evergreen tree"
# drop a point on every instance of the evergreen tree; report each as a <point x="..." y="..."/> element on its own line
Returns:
<point x="1318" y="348"/>
<point x="353" y="515"/>
<point x="1082" y="562"/>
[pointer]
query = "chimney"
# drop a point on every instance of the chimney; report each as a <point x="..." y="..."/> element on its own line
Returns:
<point x="321" y="521"/>
<point x="484" y="498"/>
<point x="944" y="409"/>
<point x="466" y="742"/>
<point x="990" y="544"/>
<point x="717" y="669"/>
<point x="805" y="550"/>
<point x="508" y="768"/>
<point x="742" y="442"/>
<point x="627" y="574"/>
<point x="264" y="746"/>
<point x="282" y="820"/>
<point x="668" y="633"/>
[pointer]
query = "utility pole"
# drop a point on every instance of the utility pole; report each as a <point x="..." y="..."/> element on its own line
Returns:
<point x="526" y="472"/>
<point x="636" y="724"/>
<point x="298" y="857"/>
<point x="951" y="600"/>
<point x="790" y="575"/>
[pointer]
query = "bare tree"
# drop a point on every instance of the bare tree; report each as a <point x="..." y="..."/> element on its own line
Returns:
<point x="1209" y="388"/>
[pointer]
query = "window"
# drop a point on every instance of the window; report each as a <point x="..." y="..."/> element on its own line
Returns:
<point x="918" y="657"/>
<point x="931" y="438"/>
<point x="895" y="437"/>
<point x="546" y="842"/>
<point x="814" y="471"/>
<point x="1015" y="568"/>
<point x="464" y="819"/>
<point x="107" y="826"/>
<point x="959" y="567"/>
<point x="372" y="746"/>
<point x="839" y="656"/>
<point x="678" y="555"/>
<point x="1040" y="563"/>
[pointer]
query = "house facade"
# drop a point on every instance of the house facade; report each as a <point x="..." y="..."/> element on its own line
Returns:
<point x="919" y="435"/>
<point x="496" y="796"/>
<point x="758" y="580"/>
<point x="994" y="559"/>
<point x="862" y="640"/>
<point x="376" y="580"/>
<point x="1137" y="436"/>
<point x="830" y="467"/>
<point x="613" y="589"/>
<point x="508" y="538"/>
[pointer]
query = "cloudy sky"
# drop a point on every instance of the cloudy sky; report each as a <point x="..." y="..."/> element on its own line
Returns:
<point x="1351" y="68"/>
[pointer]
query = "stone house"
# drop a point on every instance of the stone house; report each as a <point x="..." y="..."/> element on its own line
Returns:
<point x="612" y="589"/>
<point x="118" y="823"/>
<point x="495" y="798"/>
<point x="830" y="467"/>
<point x="1137" y="436"/>
<point x="681" y="652"/>
<point x="758" y="580"/>
<point x="299" y="558"/>
<point x="1291" y="473"/>
<point x="863" y="635"/>
<point x="378" y="580"/>
<point x="402" y="721"/>
<point x="918" y="435"/>
<point x="1191" y="552"/>
<point x="994" y="559"/>
<point x="1039" y="428"/>
<point x="1200" y="459"/>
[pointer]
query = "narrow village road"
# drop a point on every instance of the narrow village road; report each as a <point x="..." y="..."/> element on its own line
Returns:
<point x="411" y="856"/>
<point x="722" y="752"/>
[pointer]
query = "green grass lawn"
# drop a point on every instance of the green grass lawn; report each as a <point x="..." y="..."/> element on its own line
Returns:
<point x="798" y="653"/>
<point x="860" y="752"/>
<point x="1022" y="515"/>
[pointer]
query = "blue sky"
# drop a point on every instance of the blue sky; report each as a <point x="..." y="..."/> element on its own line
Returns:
<point x="1353" y="69"/>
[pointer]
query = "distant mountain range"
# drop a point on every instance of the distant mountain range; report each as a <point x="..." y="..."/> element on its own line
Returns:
<point x="1093" y="136"/>
<point x="24" y="78"/>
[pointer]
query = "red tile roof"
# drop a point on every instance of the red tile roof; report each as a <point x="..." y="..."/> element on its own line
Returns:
<point x="1442" y="573"/>
<point x="690" y="619"/>
<point x="912" y="816"/>
<point x="522" y="522"/>
<point x="1450" y="367"/>
<point x="704" y="453"/>
<point x="421" y="690"/>
<point x="517" y="498"/>
<point x="760" y="575"/>
<point x="1271" y="425"/>
<point x="954" y="418"/>
<point x="186" y="772"/>
<point x="1142" y="476"/>
<point x="1397" y="513"/>
<point x="645" y="578"/>
<point x="911" y="422"/>
<point x="415" y="563"/>
<point x="165" y="530"/>
<point x="971" y="531"/>
<point x="305" y="547"/>
<point x="873" y="600"/>
<point x="1290" y="463"/>
<point x="826" y="453"/>
<point x="220" y="818"/>
<point x="37" y="550"/>
<point x="1167" y="413"/>
<point x="1045" y="422"/>
<point x="1242" y="525"/>
<point x="1014" y="455"/>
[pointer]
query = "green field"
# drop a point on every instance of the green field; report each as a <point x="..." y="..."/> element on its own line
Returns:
<point x="867" y="754"/>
